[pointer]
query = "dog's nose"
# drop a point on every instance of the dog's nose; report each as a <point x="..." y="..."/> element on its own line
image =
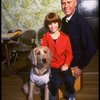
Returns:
<point x="44" y="60"/>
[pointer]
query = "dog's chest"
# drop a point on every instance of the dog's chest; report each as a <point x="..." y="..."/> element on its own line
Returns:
<point x="39" y="80"/>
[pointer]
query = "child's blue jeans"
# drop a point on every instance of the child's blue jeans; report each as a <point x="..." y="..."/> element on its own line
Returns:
<point x="57" y="77"/>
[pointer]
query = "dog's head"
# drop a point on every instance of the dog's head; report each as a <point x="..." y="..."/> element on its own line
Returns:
<point x="40" y="56"/>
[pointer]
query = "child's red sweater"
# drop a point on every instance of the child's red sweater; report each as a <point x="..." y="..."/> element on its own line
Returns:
<point x="61" y="49"/>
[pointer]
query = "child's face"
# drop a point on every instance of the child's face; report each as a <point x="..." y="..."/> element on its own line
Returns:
<point x="53" y="27"/>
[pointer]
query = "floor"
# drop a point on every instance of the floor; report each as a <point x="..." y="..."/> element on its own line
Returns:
<point x="11" y="86"/>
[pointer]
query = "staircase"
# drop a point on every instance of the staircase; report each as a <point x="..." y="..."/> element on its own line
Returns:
<point x="90" y="87"/>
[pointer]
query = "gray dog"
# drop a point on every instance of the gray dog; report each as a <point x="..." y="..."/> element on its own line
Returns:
<point x="40" y="71"/>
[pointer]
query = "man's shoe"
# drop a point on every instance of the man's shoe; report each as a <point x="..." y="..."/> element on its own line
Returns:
<point x="72" y="97"/>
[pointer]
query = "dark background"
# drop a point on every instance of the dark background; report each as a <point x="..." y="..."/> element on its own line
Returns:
<point x="89" y="9"/>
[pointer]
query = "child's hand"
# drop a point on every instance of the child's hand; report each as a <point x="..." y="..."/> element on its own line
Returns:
<point x="64" y="67"/>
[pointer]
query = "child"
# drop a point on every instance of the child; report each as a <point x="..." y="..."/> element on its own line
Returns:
<point x="60" y="45"/>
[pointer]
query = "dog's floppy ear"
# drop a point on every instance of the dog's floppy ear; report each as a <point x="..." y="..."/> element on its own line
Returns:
<point x="50" y="54"/>
<point x="32" y="56"/>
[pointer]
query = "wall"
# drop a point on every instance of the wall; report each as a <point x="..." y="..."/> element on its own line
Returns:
<point x="89" y="9"/>
<point x="27" y="14"/>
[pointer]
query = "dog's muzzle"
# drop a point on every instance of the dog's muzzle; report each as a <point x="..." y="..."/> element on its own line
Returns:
<point x="44" y="60"/>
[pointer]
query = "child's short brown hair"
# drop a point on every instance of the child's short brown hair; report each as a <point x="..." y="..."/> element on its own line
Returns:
<point x="52" y="17"/>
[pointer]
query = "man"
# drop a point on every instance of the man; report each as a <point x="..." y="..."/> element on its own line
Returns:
<point x="80" y="33"/>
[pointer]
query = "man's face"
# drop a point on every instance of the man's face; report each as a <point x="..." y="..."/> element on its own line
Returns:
<point x="68" y="6"/>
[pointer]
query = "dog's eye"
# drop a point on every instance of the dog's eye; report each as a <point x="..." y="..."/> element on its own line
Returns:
<point x="38" y="53"/>
<point x="45" y="51"/>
